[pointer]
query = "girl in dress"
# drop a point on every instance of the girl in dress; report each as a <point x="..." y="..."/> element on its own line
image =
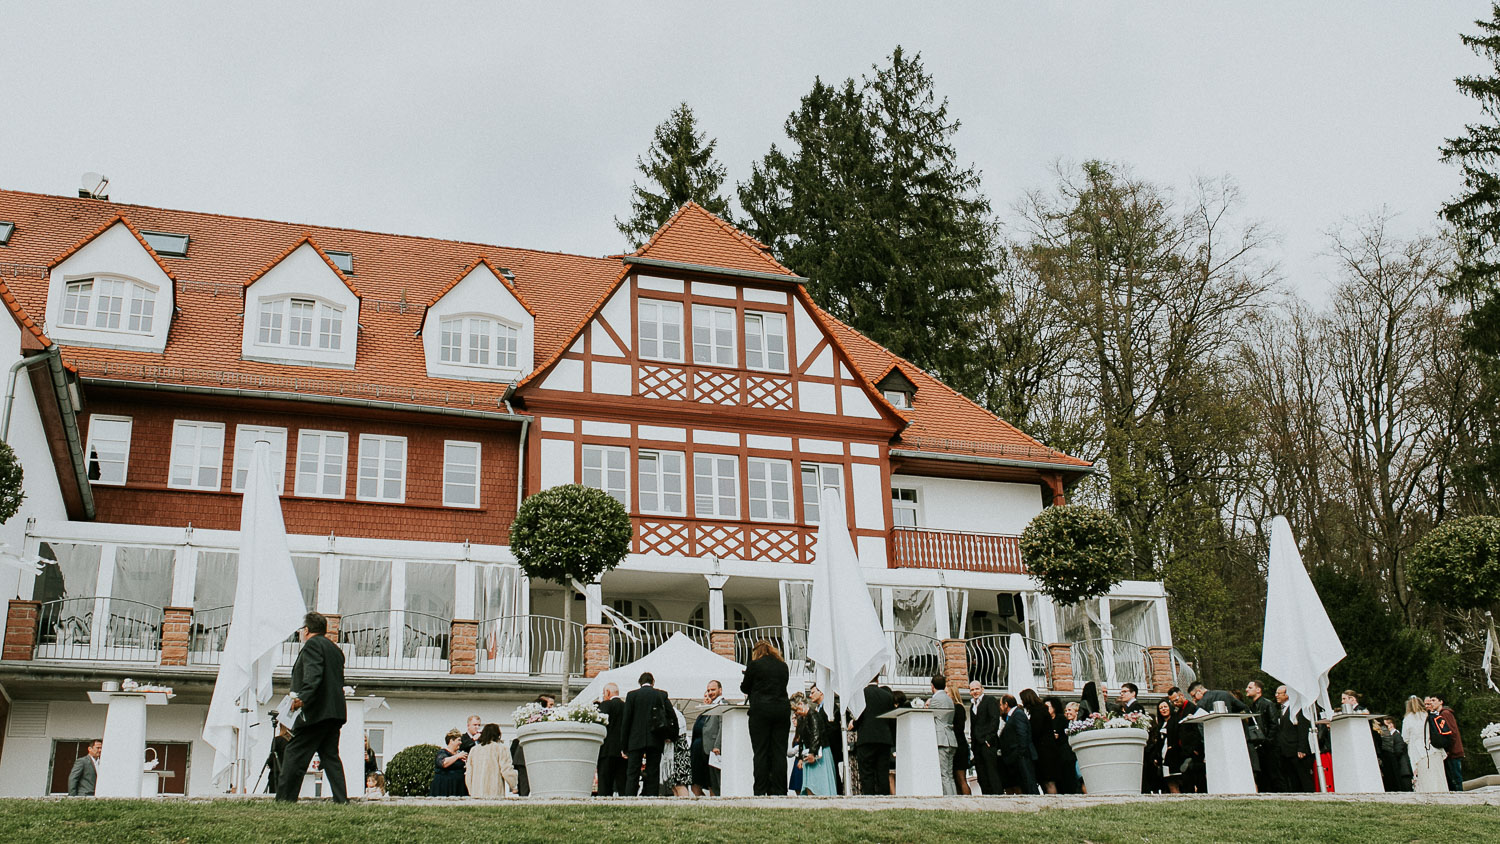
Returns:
<point x="1426" y="761"/>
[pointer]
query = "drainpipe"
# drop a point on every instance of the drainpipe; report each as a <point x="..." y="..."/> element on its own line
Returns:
<point x="69" y="415"/>
<point x="10" y="390"/>
<point x="520" y="451"/>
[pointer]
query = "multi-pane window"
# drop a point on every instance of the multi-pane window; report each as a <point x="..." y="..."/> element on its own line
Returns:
<point x="382" y="468"/>
<point x="460" y="474"/>
<point x="817" y="477"/>
<point x="197" y="455"/>
<point x="301" y="323"/>
<point x="716" y="486"/>
<point x="478" y="341"/>
<point x="660" y="479"/>
<point x="713" y="336"/>
<point x="107" y="303"/>
<point x="903" y="507"/>
<point x="245" y="437"/>
<point x="322" y="457"/>
<point x="770" y="489"/>
<point x="660" y="329"/>
<point x="109" y="449"/>
<point x="765" y="341"/>
<point x="604" y="467"/>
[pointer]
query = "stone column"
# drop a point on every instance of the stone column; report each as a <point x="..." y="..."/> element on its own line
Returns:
<point x="463" y="646"/>
<point x="956" y="660"/>
<point x="176" y="631"/>
<point x="20" y="629"/>
<point x="1061" y="679"/>
<point x="721" y="642"/>
<point x="1160" y="657"/>
<point x="595" y="649"/>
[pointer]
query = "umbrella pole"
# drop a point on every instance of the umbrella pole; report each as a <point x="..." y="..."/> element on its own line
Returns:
<point x="1317" y="755"/>
<point x="848" y="762"/>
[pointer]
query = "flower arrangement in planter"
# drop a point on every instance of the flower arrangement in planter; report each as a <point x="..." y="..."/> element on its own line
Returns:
<point x="1490" y="738"/>
<point x="582" y="713"/>
<point x="1100" y="721"/>
<point x="1490" y="732"/>
<point x="1110" y="751"/>
<point x="561" y="744"/>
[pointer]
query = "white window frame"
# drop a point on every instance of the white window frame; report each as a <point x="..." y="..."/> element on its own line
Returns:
<point x="95" y="435"/>
<point x="825" y="476"/>
<point x="899" y="399"/>
<point x="654" y="347"/>
<point x="379" y="446"/>
<point x="758" y="330"/>
<point x="181" y="430"/>
<point x="657" y="467"/>
<point x="767" y="489"/>
<point x="502" y="341"/>
<point x="901" y="505"/>
<point x="708" y="321"/>
<point x="244" y="448"/>
<point x="319" y="330"/>
<point x="137" y="303"/>
<point x="314" y="480"/>
<point x="449" y="466"/>
<point x="603" y="471"/>
<point x="708" y="469"/>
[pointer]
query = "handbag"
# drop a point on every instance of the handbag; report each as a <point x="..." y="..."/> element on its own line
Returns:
<point x="1253" y="733"/>
<point x="663" y="723"/>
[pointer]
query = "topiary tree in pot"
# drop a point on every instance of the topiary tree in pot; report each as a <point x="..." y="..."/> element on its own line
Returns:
<point x="409" y="773"/>
<point x="1075" y="552"/>
<point x="567" y="533"/>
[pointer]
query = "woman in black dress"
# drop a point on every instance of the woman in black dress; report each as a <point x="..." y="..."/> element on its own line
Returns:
<point x="1153" y="780"/>
<point x="1043" y="740"/>
<point x="448" y="768"/>
<point x="961" y="758"/>
<point x="1067" y="762"/>
<point x="770" y="717"/>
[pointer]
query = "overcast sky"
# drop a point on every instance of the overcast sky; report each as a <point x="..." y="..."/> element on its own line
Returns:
<point x="519" y="124"/>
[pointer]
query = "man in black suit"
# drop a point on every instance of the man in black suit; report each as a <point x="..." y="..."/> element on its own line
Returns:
<point x="1268" y="774"/>
<point x="611" y="767"/>
<point x="642" y="745"/>
<point x="876" y="738"/>
<point x="1017" y="753"/>
<point x="470" y="737"/>
<point x="1129" y="702"/>
<point x="1292" y="746"/>
<point x="984" y="738"/>
<point x="318" y="693"/>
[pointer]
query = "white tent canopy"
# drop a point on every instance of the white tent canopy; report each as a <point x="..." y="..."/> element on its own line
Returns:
<point x="682" y="669"/>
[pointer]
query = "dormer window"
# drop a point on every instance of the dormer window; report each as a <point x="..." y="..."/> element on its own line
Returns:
<point x="899" y="399"/>
<point x="115" y="304"/>
<point x="301" y="323"/>
<point x="479" y="341"/>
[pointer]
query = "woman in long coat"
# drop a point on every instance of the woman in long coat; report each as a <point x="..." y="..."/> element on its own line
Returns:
<point x="489" y="769"/>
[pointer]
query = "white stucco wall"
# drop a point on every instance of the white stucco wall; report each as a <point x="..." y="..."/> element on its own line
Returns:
<point x="115" y="252"/>
<point x="480" y="293"/>
<point x="980" y="506"/>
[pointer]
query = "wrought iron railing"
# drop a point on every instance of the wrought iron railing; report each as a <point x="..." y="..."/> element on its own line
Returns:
<point x="395" y="640"/>
<point x="532" y="645"/>
<point x="96" y="628"/>
<point x="210" y="629"/>
<point x="989" y="661"/>
<point x="1111" y="662"/>
<point x="633" y="642"/>
<point x="925" y="548"/>
<point x="791" y="641"/>
<point x="1183" y="674"/>
<point x="918" y="657"/>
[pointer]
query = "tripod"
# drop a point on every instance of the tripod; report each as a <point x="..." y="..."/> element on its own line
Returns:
<point x="273" y="759"/>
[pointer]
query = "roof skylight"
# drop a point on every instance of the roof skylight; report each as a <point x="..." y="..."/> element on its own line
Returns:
<point x="6" y="230"/>
<point x="167" y="244"/>
<point x="342" y="260"/>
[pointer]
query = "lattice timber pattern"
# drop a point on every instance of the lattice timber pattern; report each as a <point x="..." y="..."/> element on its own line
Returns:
<point x="699" y="538"/>
<point x="660" y="382"/>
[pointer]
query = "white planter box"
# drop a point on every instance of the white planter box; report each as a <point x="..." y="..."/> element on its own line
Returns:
<point x="561" y="757"/>
<point x="1110" y="759"/>
<point x="1493" y="746"/>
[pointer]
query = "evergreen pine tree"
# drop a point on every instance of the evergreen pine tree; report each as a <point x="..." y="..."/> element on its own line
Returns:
<point x="678" y="167"/>
<point x="871" y="205"/>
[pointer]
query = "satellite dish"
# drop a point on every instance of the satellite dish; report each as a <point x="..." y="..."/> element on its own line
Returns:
<point x="93" y="185"/>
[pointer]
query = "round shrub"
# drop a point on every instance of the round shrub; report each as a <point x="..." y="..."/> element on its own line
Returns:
<point x="10" y="483"/>
<point x="570" y="532"/>
<point x="1457" y="564"/>
<point x="409" y="773"/>
<point x="1075" y="552"/>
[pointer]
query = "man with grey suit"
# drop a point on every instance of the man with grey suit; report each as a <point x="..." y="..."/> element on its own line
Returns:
<point x="942" y="707"/>
<point x="706" y="742"/>
<point x="85" y="773"/>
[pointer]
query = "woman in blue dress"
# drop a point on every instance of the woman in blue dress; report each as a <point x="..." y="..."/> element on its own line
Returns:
<point x="813" y="756"/>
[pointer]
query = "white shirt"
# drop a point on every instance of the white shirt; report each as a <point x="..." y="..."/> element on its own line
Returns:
<point x="975" y="703"/>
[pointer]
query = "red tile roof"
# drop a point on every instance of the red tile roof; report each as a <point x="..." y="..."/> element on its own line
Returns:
<point x="399" y="276"/>
<point x="22" y="318"/>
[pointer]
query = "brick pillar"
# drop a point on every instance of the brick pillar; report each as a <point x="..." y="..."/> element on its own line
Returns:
<point x="20" y="629"/>
<point x="1061" y="679"/>
<point x="1159" y="660"/>
<point x="176" y="630"/>
<point x="956" y="661"/>
<point x="463" y="646"/>
<point x="333" y="626"/>
<point x="595" y="649"/>
<point x="721" y="642"/>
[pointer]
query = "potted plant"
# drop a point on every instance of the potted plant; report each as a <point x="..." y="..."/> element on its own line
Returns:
<point x="561" y="744"/>
<point x="1111" y="751"/>
<point x="1491" y="737"/>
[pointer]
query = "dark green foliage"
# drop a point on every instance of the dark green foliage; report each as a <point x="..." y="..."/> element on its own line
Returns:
<point x="570" y="532"/>
<point x="1457" y="564"/>
<point x="1075" y="552"/>
<point x="11" y="475"/>
<point x="409" y="773"/>
<point x="869" y="202"/>
<point x="678" y="167"/>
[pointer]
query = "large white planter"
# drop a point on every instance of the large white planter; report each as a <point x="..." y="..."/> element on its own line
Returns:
<point x="561" y="757"/>
<point x="1110" y="759"/>
<point x="1493" y="746"/>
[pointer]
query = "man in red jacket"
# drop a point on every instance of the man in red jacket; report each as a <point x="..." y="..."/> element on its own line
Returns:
<point x="1445" y="734"/>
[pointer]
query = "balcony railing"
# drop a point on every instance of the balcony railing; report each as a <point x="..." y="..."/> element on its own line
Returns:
<point x="635" y="642"/>
<point x="791" y="641"/>
<point x="989" y="660"/>
<point x="1111" y="662"/>
<point x="678" y="536"/>
<point x="918" y="657"/>
<point x="531" y="645"/>
<point x="104" y="629"/>
<point x="925" y="548"/>
<point x="395" y="640"/>
<point x="210" y="630"/>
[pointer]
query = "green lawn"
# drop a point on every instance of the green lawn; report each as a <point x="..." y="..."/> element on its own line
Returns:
<point x="1205" y="821"/>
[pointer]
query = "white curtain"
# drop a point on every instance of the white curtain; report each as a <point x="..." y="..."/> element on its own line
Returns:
<point x="798" y="603"/>
<point x="144" y="575"/>
<point x="958" y="611"/>
<point x="914" y="612"/>
<point x="217" y="576"/>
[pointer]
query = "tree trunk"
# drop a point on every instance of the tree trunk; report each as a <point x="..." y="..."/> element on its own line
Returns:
<point x="567" y="641"/>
